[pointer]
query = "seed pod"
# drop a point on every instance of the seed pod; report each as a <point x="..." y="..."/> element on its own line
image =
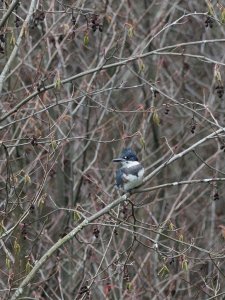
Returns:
<point x="86" y="40"/>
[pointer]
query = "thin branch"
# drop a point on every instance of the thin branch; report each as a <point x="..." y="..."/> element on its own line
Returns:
<point x="183" y="153"/>
<point x="216" y="296"/>
<point x="177" y="183"/>
<point x="94" y="70"/>
<point x="8" y="13"/>
<point x="17" y="44"/>
<point x="62" y="241"/>
<point x="95" y="216"/>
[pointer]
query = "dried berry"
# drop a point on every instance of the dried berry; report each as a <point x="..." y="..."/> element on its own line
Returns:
<point x="96" y="232"/>
<point x="95" y="24"/>
<point x="126" y="276"/>
<point x="186" y="66"/>
<point x="34" y="141"/>
<point x="171" y="261"/>
<point x="60" y="39"/>
<point x="83" y="290"/>
<point x="166" y="111"/>
<point x="32" y="207"/>
<point x="124" y="210"/>
<point x="219" y="90"/>
<point x="73" y="20"/>
<point x="24" y="230"/>
<point x="155" y="93"/>
<point x="216" y="196"/>
<point x="94" y="19"/>
<point x="209" y="22"/>
<point x="193" y="127"/>
<point x="2" y="38"/>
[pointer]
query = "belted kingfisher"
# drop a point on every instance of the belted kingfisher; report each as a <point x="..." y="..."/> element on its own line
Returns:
<point x="131" y="173"/>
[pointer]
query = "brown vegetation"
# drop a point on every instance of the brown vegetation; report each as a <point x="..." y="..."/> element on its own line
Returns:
<point x="79" y="81"/>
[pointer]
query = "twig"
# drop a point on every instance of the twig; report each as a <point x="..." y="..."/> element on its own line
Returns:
<point x="17" y="44"/>
<point x="7" y="14"/>
<point x="177" y="183"/>
<point x="100" y="213"/>
<point x="62" y="241"/>
<point x="94" y="70"/>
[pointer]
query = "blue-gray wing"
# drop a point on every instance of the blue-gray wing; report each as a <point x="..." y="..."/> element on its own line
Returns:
<point x="119" y="178"/>
<point x="134" y="170"/>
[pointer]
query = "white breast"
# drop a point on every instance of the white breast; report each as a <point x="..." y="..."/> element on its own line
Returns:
<point x="132" y="180"/>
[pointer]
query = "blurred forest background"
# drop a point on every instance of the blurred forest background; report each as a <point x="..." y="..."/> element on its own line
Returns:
<point x="79" y="81"/>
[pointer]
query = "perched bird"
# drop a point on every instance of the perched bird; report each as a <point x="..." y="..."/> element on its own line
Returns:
<point x="130" y="174"/>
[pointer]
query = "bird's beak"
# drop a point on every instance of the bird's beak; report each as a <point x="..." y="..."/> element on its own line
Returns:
<point x="119" y="159"/>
